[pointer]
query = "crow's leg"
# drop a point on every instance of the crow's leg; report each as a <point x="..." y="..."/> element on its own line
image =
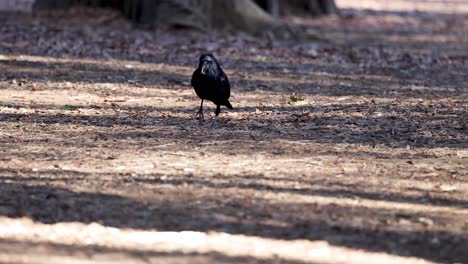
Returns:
<point x="199" y="114"/>
<point x="215" y="120"/>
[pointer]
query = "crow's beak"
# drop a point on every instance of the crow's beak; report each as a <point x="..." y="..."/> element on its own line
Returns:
<point x="204" y="68"/>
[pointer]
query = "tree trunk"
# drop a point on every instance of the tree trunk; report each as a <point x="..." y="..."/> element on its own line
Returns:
<point x="252" y="16"/>
<point x="328" y="6"/>
<point x="245" y="15"/>
<point x="206" y="15"/>
<point x="52" y="4"/>
<point x="310" y="7"/>
<point x="271" y="6"/>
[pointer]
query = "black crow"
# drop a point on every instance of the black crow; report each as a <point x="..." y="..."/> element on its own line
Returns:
<point x="211" y="83"/>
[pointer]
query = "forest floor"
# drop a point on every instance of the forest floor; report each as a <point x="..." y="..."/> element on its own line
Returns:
<point x="351" y="150"/>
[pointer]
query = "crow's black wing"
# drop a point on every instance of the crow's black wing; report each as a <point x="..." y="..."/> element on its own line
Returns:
<point x="224" y="85"/>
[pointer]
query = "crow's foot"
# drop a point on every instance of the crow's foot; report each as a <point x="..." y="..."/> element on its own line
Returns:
<point x="200" y="116"/>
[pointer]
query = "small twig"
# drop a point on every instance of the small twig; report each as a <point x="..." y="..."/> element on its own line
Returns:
<point x="229" y="141"/>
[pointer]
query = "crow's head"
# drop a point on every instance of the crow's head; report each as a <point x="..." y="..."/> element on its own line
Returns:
<point x="208" y="64"/>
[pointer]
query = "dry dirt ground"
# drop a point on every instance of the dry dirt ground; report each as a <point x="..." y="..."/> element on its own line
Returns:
<point x="353" y="150"/>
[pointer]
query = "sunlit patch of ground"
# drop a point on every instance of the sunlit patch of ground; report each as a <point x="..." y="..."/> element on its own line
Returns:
<point x="438" y="6"/>
<point x="136" y="246"/>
